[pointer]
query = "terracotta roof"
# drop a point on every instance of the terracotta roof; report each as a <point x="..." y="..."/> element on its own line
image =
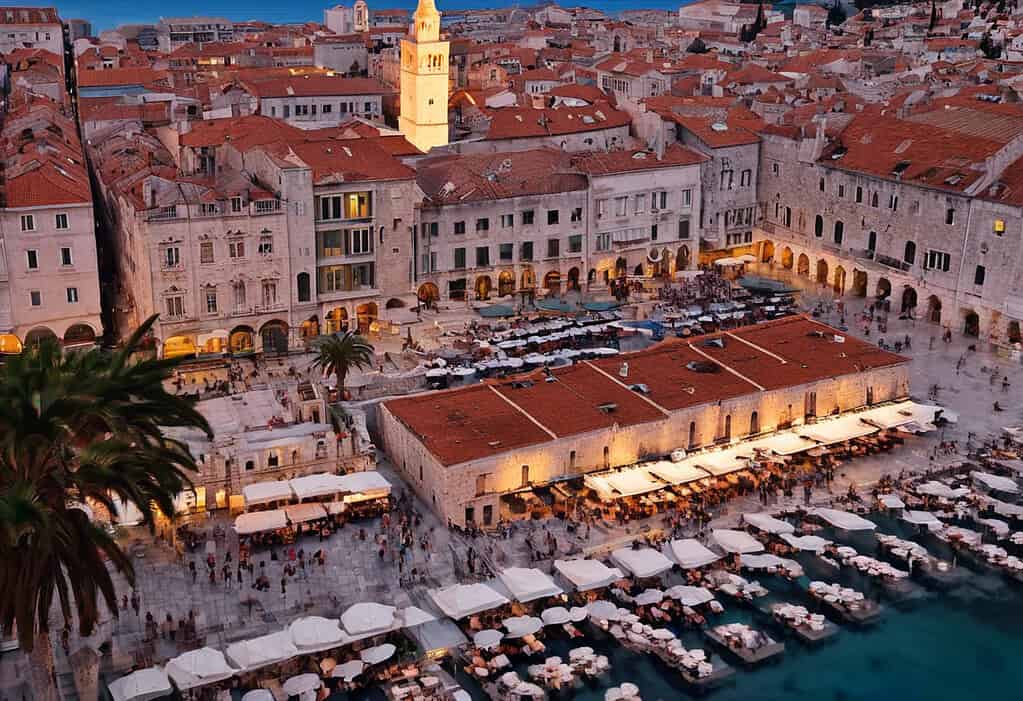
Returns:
<point x="254" y="129"/>
<point x="314" y="85"/>
<point x="479" y="177"/>
<point x="624" y="161"/>
<point x="522" y="122"/>
<point x="711" y="133"/>
<point x="28" y="15"/>
<point x="120" y="76"/>
<point x="589" y="93"/>
<point x="751" y="74"/>
<point x="47" y="184"/>
<point x="344" y="160"/>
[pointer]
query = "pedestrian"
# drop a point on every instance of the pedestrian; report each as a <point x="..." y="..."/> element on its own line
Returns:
<point x="1005" y="384"/>
<point x="124" y="602"/>
<point x="135" y="603"/>
<point x="226" y="572"/>
<point x="191" y="568"/>
<point x="172" y="627"/>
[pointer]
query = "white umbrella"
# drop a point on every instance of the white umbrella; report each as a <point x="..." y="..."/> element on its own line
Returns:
<point x="613" y="694"/>
<point x="198" y="667"/>
<point x="578" y="614"/>
<point x="556" y="616"/>
<point x="349" y="670"/>
<point x="315" y="633"/>
<point x="487" y="639"/>
<point x="258" y="695"/>
<point x="378" y="654"/>
<point x="650" y="596"/>
<point x="414" y="616"/>
<point x="143" y="685"/>
<point x="602" y="610"/>
<point x="629" y="689"/>
<point x="367" y="617"/>
<point x="296" y="686"/>
<point x="662" y="634"/>
<point x="520" y="626"/>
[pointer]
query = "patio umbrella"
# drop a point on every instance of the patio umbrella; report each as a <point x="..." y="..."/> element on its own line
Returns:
<point x="556" y="616"/>
<point x="258" y="695"/>
<point x="650" y="596"/>
<point x="487" y="639"/>
<point x="367" y="617"/>
<point x="349" y="670"/>
<point x="298" y="685"/>
<point x="378" y="654"/>
<point x="578" y="614"/>
<point x="602" y="610"/>
<point x="520" y="626"/>
<point x="143" y="685"/>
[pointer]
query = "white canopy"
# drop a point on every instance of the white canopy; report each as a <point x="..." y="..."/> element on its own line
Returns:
<point x="367" y="618"/>
<point x="1002" y="484"/>
<point x="602" y="610"/>
<point x="891" y="501"/>
<point x="412" y="616"/>
<point x="921" y="518"/>
<point x="258" y="695"/>
<point x="369" y="482"/>
<point x="690" y="553"/>
<point x="528" y="584"/>
<point x="939" y="489"/>
<point x="520" y="626"/>
<point x="844" y="519"/>
<point x="265" y="492"/>
<point x="302" y="513"/>
<point x="260" y="521"/>
<point x="784" y="443"/>
<point x="769" y="524"/>
<point x="722" y="462"/>
<point x="143" y="685"/>
<point x="902" y="413"/>
<point x="314" y="633"/>
<point x="648" y="597"/>
<point x="682" y="472"/>
<point x="378" y="654"/>
<point x="812" y="543"/>
<point x="998" y="527"/>
<point x="626" y="483"/>
<point x="556" y="616"/>
<point x="732" y="541"/>
<point x="318" y="485"/>
<point x="301" y="684"/>
<point x="198" y="668"/>
<point x="843" y="428"/>
<point x="348" y="670"/>
<point x="587" y="574"/>
<point x="461" y="600"/>
<point x="690" y="596"/>
<point x="264" y="650"/>
<point x="487" y="639"/>
<point x="767" y="561"/>
<point x="641" y="562"/>
<point x="1006" y="509"/>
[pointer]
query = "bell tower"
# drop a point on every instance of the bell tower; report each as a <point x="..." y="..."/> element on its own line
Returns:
<point x="424" y="81"/>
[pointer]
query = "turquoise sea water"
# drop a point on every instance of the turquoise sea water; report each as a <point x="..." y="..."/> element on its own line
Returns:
<point x="956" y="645"/>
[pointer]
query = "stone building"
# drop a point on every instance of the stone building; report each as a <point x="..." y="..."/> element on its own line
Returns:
<point x="174" y="32"/>
<point x="463" y="449"/>
<point x="31" y="28"/>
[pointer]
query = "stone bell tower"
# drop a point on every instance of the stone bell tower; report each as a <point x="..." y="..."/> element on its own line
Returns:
<point x="424" y="81"/>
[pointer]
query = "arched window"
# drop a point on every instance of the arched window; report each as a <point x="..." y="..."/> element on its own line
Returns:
<point x="818" y="226"/>
<point x="304" y="288"/>
<point x="909" y="254"/>
<point x="607" y="457"/>
<point x="692" y="434"/>
<point x="839" y="230"/>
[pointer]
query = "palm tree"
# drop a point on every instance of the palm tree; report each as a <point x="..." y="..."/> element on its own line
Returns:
<point x="74" y="429"/>
<point x="340" y="352"/>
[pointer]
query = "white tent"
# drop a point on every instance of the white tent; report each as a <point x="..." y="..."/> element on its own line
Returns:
<point x="769" y="524"/>
<point x="314" y="633"/>
<point x="602" y="610"/>
<point x="784" y="443"/>
<point x="767" y="561"/>
<point x="682" y="472"/>
<point x="488" y="638"/>
<point x="998" y="527"/>
<point x="528" y="584"/>
<point x="259" y="652"/>
<point x="891" y="501"/>
<point x="844" y="519"/>
<point x="922" y="518"/>
<point x="378" y="654"/>
<point x="319" y="485"/>
<point x="520" y="626"/>
<point x="348" y="670"/>
<point x="369" y="483"/>
<point x="258" y="695"/>
<point x="587" y="574"/>
<point x="732" y="541"/>
<point x="367" y="618"/>
<point x="301" y="684"/>
<point x="939" y="489"/>
<point x="556" y="616"/>
<point x="412" y="616"/>
<point x="690" y="553"/>
<point x="260" y="521"/>
<point x="143" y="685"/>
<point x="722" y="462"/>
<point x="1006" y="509"/>
<point x="690" y="596"/>
<point x="626" y="483"/>
<point x="641" y="562"/>
<point x="648" y="597"/>
<point x="302" y="513"/>
<point x="199" y="667"/>
<point x="997" y="482"/>
<point x="461" y="600"/>
<point x="843" y="428"/>
<point x="266" y="492"/>
<point x="902" y="413"/>
<point x="812" y="543"/>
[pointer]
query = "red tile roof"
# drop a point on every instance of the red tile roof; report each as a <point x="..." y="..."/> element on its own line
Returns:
<point x="479" y="177"/>
<point x="28" y="15"/>
<point x="522" y="122"/>
<point x="121" y="76"/>
<point x="314" y="85"/>
<point x="625" y="161"/>
<point x="344" y="160"/>
<point x="716" y="133"/>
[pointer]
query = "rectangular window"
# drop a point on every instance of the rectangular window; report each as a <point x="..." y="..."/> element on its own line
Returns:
<point x="506" y="251"/>
<point x="603" y="242"/>
<point x="640" y="204"/>
<point x="175" y="306"/>
<point x="687" y="198"/>
<point x="239" y="294"/>
<point x="577" y="214"/>
<point x="482" y="256"/>
<point x="236" y="249"/>
<point x="66" y="259"/>
<point x="660" y="198"/>
<point x="28" y="222"/>
<point x="483" y="224"/>
<point x="507" y="221"/>
<point x="999" y="227"/>
<point x="621" y="206"/>
<point x="459" y="227"/>
<point x="893" y="202"/>
<point x="859" y="195"/>
<point x="978" y="275"/>
<point x="236" y="205"/>
<point x="653" y="232"/>
<point x="821" y="185"/>
<point x="266" y="245"/>
<point x="683" y="229"/>
<point x="327" y="109"/>
<point x="552" y="216"/>
<point x="60" y="221"/>
<point x="726" y="180"/>
<point x="361" y="241"/>
<point x="206" y="252"/>
<point x="358" y="205"/>
<point x="527" y="217"/>
<point x="841" y="190"/>
<point x="211" y="301"/>
<point x="775" y="170"/>
<point x="269" y="293"/>
<point x="938" y="260"/>
<point x="171" y="257"/>
<point x="526" y="250"/>
<point x="36" y="298"/>
<point x="459" y="259"/>
<point x="32" y="258"/>
<point x="575" y="243"/>
<point x="950" y="216"/>
<point x="553" y="248"/>
<point x="745" y="178"/>
<point x="601" y="209"/>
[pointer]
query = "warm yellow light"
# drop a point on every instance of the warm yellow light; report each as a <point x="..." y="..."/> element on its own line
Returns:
<point x="999" y="226"/>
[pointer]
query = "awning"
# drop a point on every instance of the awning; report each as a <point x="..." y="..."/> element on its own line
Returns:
<point x="902" y="413"/>
<point x="996" y="482"/>
<point x="143" y="685"/>
<point x="891" y="501"/>
<point x="302" y="513"/>
<point x="811" y="543"/>
<point x="264" y="650"/>
<point x="587" y="574"/>
<point x="726" y="262"/>
<point x="315" y="633"/>
<point x="641" y="562"/>
<point x="219" y="334"/>
<point x="939" y="489"/>
<point x="676" y="473"/>
<point x="178" y="346"/>
<point x="461" y="600"/>
<point x="732" y="541"/>
<point x="690" y="596"/>
<point x="767" y="561"/>
<point x="368" y="617"/>
<point x="318" y="485"/>
<point x="922" y="518"/>
<point x="260" y="521"/>
<point x="527" y="584"/>
<point x="370" y="482"/>
<point x="11" y="345"/>
<point x="690" y="553"/>
<point x="843" y="428"/>
<point x="627" y="483"/>
<point x="199" y="667"/>
<point x="722" y="462"/>
<point x="266" y="492"/>
<point x="844" y="519"/>
<point x="784" y="443"/>
<point x="768" y="523"/>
